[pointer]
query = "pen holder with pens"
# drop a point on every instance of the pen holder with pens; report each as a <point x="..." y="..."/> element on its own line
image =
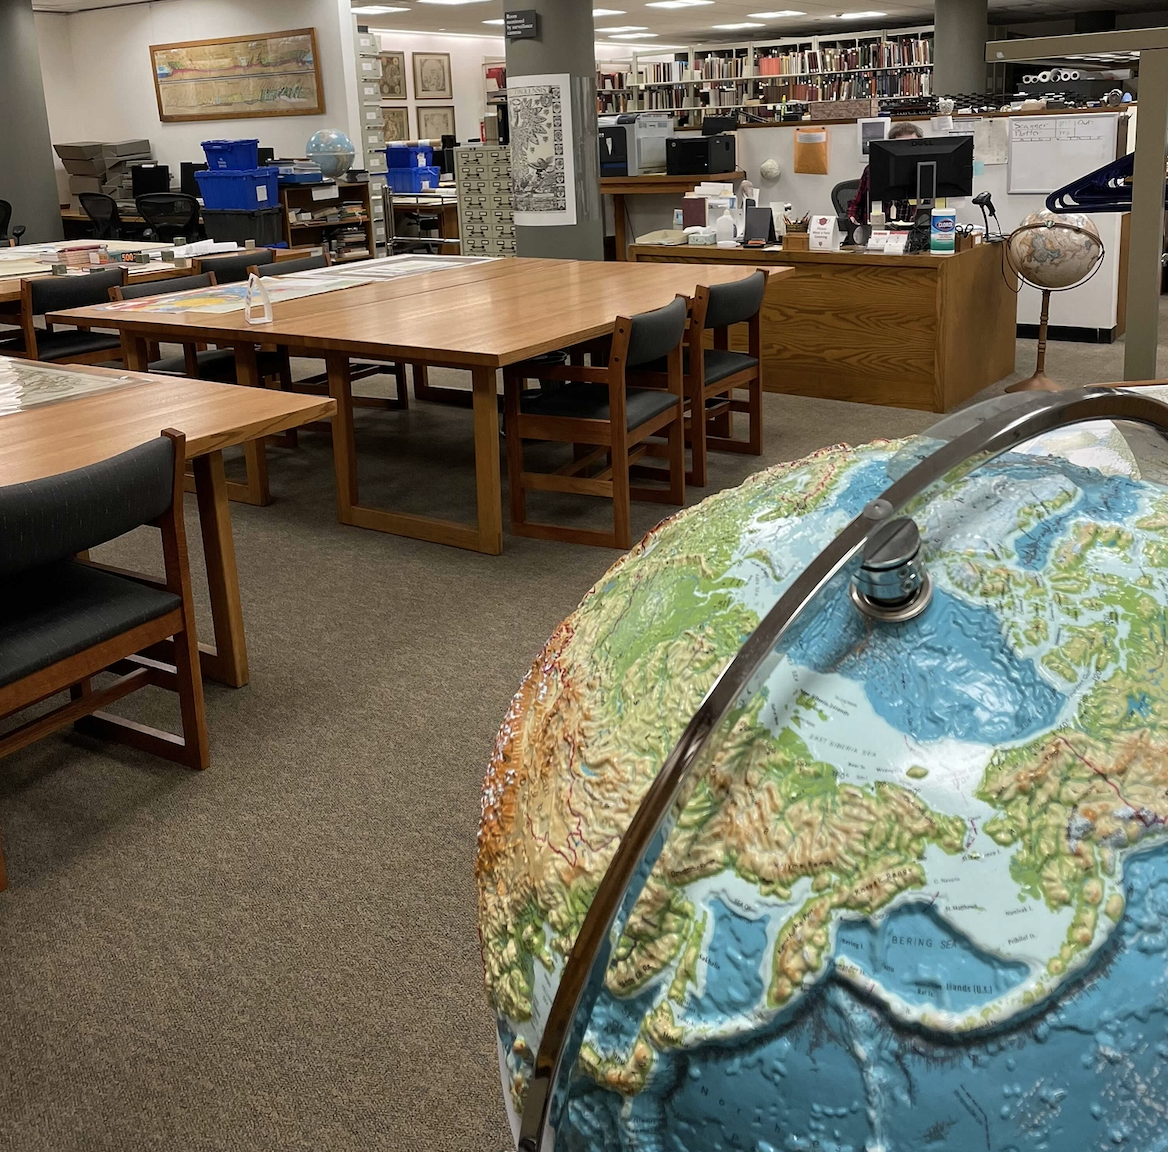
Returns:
<point x="257" y="304"/>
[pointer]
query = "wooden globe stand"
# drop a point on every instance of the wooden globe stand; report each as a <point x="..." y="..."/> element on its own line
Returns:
<point x="1039" y="381"/>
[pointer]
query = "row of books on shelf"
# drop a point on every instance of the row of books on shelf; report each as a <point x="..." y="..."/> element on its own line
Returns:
<point x="721" y="68"/>
<point x="606" y="81"/>
<point x="608" y="103"/>
<point x="889" y="54"/>
<point x="851" y="87"/>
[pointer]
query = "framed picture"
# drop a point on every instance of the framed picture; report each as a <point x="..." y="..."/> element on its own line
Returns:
<point x="435" y="122"/>
<point x="432" y="76"/>
<point x="393" y="75"/>
<point x="872" y="128"/>
<point x="395" y="122"/>
<point x="237" y="77"/>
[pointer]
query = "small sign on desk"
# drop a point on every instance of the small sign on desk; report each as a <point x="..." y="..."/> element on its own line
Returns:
<point x="824" y="233"/>
<point x="521" y="25"/>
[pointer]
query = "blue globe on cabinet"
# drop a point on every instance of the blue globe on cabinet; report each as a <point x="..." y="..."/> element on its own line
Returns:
<point x="332" y="150"/>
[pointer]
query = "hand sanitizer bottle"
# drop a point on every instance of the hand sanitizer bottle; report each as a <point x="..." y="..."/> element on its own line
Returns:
<point x="724" y="230"/>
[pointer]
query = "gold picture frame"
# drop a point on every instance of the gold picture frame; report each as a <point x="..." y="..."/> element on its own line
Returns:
<point x="434" y="122"/>
<point x="238" y="77"/>
<point x="393" y="75"/>
<point x="432" y="79"/>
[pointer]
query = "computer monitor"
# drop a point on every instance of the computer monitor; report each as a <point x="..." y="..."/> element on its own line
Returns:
<point x="264" y="156"/>
<point x="187" y="182"/>
<point x="146" y="178"/>
<point x="904" y="169"/>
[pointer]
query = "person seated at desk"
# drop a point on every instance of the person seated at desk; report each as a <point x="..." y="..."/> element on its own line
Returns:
<point x="858" y="205"/>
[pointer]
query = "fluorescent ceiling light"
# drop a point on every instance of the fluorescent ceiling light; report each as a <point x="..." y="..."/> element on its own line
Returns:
<point x="736" y="27"/>
<point x="451" y="3"/>
<point x="377" y="10"/>
<point x="677" y="3"/>
<point x="607" y="12"/>
<point x="781" y="14"/>
<point x="635" y="36"/>
<point x="625" y="28"/>
<point x="492" y="21"/>
<point x="838" y="16"/>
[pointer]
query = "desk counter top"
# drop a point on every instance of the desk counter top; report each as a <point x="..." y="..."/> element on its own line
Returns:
<point x="708" y="254"/>
<point x="659" y="184"/>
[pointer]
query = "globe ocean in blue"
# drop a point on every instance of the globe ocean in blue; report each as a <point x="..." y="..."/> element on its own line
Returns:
<point x="919" y="899"/>
<point x="332" y="150"/>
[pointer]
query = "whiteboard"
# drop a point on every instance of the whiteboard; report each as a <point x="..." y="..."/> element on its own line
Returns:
<point x="1048" y="152"/>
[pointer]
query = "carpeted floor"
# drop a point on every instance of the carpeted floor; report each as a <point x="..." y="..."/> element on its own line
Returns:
<point x="281" y="953"/>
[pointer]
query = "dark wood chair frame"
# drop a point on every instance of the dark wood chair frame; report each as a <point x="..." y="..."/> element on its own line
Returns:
<point x="29" y="331"/>
<point x="163" y="652"/>
<point x="607" y="445"/>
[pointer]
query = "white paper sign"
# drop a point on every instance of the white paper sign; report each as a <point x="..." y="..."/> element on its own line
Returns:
<point x="894" y="245"/>
<point x="824" y="233"/>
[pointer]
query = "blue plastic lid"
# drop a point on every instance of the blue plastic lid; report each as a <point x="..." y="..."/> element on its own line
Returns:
<point x="225" y="173"/>
<point x="229" y="142"/>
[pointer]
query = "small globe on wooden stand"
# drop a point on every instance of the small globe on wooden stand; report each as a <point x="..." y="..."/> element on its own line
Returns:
<point x="1053" y="254"/>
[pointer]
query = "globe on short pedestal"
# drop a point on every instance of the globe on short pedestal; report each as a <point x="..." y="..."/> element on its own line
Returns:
<point x="919" y="898"/>
<point x="1055" y="251"/>
<point x="332" y="150"/>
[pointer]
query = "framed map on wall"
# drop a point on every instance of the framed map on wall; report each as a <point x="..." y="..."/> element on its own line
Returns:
<point x="277" y="74"/>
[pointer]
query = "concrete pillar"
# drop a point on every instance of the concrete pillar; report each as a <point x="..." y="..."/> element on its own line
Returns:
<point x="959" y="40"/>
<point x="26" y="153"/>
<point x="566" y="45"/>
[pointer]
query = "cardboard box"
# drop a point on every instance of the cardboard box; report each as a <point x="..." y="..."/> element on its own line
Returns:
<point x="119" y="149"/>
<point x="844" y="109"/>
<point x="82" y="150"/>
<point x="94" y="167"/>
<point x="84" y="184"/>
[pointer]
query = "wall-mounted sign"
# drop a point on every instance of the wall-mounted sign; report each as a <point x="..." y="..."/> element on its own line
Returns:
<point x="521" y="25"/>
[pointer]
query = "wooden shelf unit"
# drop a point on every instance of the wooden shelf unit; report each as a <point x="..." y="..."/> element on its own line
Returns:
<point x="299" y="197"/>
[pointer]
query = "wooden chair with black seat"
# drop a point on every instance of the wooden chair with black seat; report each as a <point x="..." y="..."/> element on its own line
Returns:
<point x="358" y="370"/>
<point x="713" y="375"/>
<point x="610" y="425"/>
<point x="70" y="345"/>
<point x="65" y="620"/>
<point x="216" y="364"/>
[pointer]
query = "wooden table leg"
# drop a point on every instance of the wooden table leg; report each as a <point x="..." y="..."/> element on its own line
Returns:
<point x="487" y="480"/>
<point x="421" y="381"/>
<point x="134" y="352"/>
<point x="226" y="660"/>
<point x="257" y="490"/>
<point x="618" y="217"/>
<point x="344" y="448"/>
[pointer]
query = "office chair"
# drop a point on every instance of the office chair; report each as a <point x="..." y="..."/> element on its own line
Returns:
<point x="235" y="266"/>
<point x="169" y="214"/>
<point x="287" y="267"/>
<point x="5" y="218"/>
<point x="103" y="211"/>
<point x="843" y="194"/>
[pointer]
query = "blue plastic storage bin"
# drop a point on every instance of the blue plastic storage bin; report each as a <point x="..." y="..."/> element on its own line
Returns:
<point x="408" y="156"/>
<point x="413" y="179"/>
<point x="258" y="188"/>
<point x="232" y="155"/>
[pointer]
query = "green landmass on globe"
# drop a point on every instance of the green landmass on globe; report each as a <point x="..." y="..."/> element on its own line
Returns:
<point x="900" y="911"/>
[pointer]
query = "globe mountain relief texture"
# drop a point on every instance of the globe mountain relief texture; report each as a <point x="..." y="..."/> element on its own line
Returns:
<point x="918" y="899"/>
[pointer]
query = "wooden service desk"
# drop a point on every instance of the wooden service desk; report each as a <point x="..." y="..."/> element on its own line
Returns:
<point x="917" y="331"/>
<point x="54" y="418"/>
<point x="480" y="317"/>
<point x="657" y="184"/>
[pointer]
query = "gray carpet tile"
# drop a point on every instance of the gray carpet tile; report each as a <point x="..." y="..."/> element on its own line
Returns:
<point x="281" y="952"/>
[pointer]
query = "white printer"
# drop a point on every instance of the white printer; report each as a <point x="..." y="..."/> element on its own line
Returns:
<point x="633" y="144"/>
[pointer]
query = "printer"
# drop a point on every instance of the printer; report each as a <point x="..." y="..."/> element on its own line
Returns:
<point x="633" y="145"/>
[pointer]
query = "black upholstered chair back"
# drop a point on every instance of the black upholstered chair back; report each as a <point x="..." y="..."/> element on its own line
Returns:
<point x="736" y="302"/>
<point x="169" y="214"/>
<point x="287" y="267"/>
<point x="47" y="520"/>
<point x="103" y="211"/>
<point x="161" y="287"/>
<point x="232" y="268"/>
<point x="55" y="293"/>
<point x="843" y="194"/>
<point x="5" y="218"/>
<point x="656" y="334"/>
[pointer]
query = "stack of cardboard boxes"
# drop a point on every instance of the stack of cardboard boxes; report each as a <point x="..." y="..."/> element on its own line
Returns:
<point x="97" y="166"/>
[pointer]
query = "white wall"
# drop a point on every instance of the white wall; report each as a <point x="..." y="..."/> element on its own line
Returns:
<point x="99" y="82"/>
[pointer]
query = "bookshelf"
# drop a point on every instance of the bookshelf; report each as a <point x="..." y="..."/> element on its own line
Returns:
<point x="342" y="222"/>
<point x="759" y="75"/>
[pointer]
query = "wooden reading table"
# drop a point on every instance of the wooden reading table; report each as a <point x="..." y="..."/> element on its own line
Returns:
<point x="480" y="317"/>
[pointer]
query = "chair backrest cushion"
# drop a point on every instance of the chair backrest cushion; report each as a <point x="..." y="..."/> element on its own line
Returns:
<point x="733" y="303"/>
<point x="654" y="334"/>
<point x="287" y="267"/>
<point x="842" y="194"/>
<point x="161" y="287"/>
<point x="47" y="520"/>
<point x="232" y="268"/>
<point x="54" y="293"/>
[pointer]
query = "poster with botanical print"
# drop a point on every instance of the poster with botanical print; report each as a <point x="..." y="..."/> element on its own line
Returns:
<point x="543" y="177"/>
